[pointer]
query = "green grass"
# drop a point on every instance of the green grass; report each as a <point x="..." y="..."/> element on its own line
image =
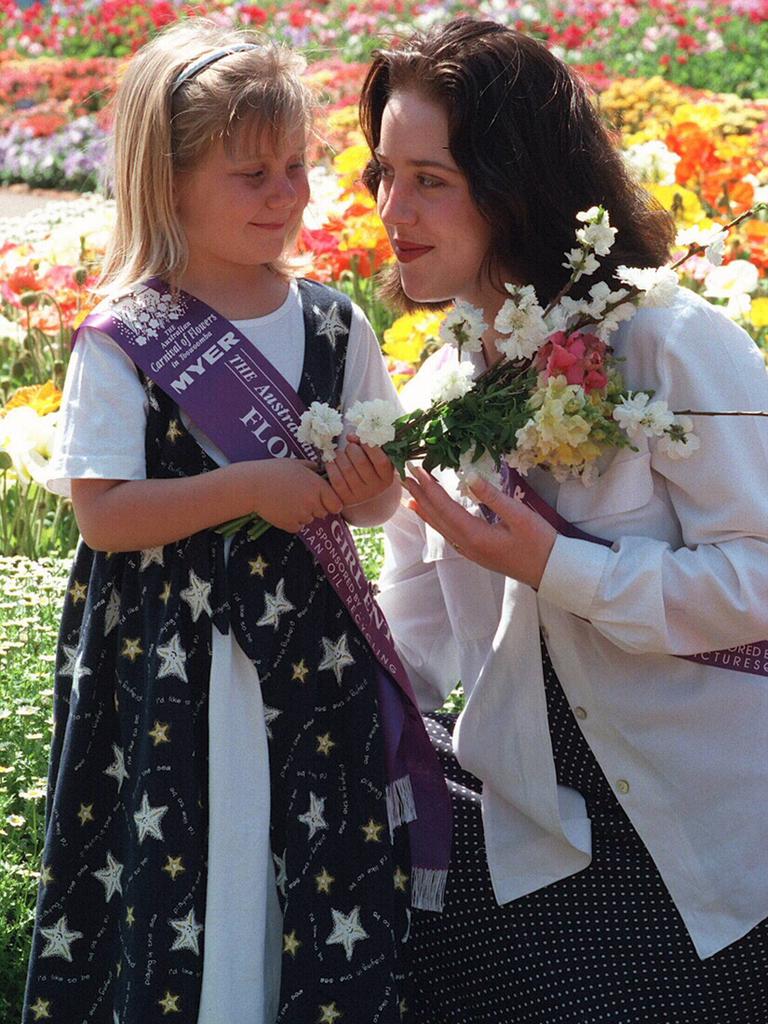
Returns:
<point x="31" y="596"/>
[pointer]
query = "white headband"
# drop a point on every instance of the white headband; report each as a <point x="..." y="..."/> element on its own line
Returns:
<point x="203" y="62"/>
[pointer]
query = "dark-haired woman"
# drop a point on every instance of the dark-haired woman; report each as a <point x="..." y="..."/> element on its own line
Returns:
<point x="620" y="870"/>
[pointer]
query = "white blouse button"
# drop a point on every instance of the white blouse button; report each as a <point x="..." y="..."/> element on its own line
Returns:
<point x="622" y="786"/>
<point x="580" y="712"/>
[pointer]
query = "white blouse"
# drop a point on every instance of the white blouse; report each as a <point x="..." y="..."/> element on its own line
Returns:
<point x="683" y="744"/>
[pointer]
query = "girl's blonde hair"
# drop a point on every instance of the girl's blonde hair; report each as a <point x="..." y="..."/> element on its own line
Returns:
<point x="250" y="97"/>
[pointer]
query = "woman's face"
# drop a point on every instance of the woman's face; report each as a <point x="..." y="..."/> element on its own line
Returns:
<point x="439" y="236"/>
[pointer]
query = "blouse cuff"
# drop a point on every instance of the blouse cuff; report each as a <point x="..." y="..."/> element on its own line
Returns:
<point x="572" y="574"/>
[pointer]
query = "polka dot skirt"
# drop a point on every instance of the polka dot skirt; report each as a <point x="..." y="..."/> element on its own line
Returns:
<point x="604" y="946"/>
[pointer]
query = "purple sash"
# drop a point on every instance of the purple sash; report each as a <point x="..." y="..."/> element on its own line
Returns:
<point x="228" y="388"/>
<point x="751" y="658"/>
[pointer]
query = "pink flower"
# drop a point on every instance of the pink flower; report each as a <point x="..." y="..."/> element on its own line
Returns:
<point x="578" y="357"/>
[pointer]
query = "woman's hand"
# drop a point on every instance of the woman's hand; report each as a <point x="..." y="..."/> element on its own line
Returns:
<point x="518" y="545"/>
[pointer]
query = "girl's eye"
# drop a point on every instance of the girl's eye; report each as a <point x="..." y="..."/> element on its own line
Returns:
<point x="254" y="174"/>
<point x="383" y="171"/>
<point x="429" y="182"/>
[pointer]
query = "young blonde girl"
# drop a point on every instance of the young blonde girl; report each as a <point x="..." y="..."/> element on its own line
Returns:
<point x="178" y="882"/>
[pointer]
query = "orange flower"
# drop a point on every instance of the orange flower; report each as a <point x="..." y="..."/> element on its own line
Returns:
<point x="756" y="238"/>
<point x="43" y="398"/>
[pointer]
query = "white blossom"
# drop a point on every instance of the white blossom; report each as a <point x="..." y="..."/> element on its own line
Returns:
<point x="658" y="284"/>
<point x="739" y="277"/>
<point x="463" y="327"/>
<point x="566" y="312"/>
<point x="469" y="471"/>
<point x="374" y="421"/>
<point x="522" y="318"/>
<point x="318" y="426"/>
<point x="716" y="250"/>
<point x="452" y="382"/>
<point x="637" y="415"/>
<point x="680" y="442"/>
<point x="597" y="234"/>
<point x="581" y="262"/>
<point x="630" y="412"/>
<point x="614" y="317"/>
<point x="652" y="162"/>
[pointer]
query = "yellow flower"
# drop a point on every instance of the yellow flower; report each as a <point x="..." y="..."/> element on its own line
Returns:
<point x="350" y="164"/>
<point x="759" y="312"/>
<point x="683" y="203"/>
<point x="43" y="398"/>
<point x="343" y="122"/>
<point x="411" y="334"/>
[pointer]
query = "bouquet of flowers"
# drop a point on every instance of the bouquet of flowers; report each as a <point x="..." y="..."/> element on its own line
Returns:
<point x="555" y="398"/>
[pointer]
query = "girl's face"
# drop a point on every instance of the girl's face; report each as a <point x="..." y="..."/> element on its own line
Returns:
<point x="239" y="210"/>
<point x="439" y="236"/>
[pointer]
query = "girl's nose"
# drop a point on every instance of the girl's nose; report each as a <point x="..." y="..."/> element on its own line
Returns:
<point x="282" y="193"/>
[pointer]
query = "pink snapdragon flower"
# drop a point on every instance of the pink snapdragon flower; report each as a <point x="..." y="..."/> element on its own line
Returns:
<point x="578" y="357"/>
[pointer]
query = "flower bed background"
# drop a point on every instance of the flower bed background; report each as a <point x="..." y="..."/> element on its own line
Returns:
<point x="702" y="152"/>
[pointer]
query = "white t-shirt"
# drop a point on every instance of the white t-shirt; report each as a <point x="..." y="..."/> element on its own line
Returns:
<point x="100" y="433"/>
<point x="101" y="436"/>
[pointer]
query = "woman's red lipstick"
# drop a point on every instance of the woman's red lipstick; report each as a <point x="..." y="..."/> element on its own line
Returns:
<point x="408" y="251"/>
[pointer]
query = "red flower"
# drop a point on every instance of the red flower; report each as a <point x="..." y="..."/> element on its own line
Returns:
<point x="24" y="279"/>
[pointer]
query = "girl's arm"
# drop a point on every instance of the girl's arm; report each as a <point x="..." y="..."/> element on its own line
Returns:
<point x="130" y="515"/>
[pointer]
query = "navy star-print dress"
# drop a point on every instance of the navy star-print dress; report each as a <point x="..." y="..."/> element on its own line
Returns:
<point x="120" y="927"/>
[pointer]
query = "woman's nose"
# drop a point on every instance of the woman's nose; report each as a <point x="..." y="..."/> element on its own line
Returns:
<point x="395" y="205"/>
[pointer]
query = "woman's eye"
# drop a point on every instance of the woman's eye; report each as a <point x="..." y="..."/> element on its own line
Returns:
<point x="383" y="171"/>
<point x="429" y="182"/>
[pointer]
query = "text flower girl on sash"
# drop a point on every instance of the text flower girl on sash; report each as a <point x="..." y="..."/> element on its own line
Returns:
<point x="230" y="758"/>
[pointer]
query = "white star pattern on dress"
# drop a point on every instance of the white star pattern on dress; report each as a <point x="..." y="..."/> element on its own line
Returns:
<point x="80" y="672"/>
<point x="188" y="929"/>
<point x="314" y="816"/>
<point x="196" y="595"/>
<point x="336" y="656"/>
<point x="112" y="614"/>
<point x="148" y="820"/>
<point x="173" y="658"/>
<point x="329" y="324"/>
<point x="275" y="605"/>
<point x="70" y="653"/>
<point x="347" y="930"/>
<point x="110" y="877"/>
<point x="282" y="877"/>
<point x="59" y="940"/>
<point x="117" y="769"/>
<point x="270" y="714"/>
<point x="150" y="555"/>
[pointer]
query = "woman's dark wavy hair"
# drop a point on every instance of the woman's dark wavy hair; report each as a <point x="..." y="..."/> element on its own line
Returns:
<point x="524" y="131"/>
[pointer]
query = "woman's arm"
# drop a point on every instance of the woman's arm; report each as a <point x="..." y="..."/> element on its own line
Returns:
<point x="708" y="592"/>
<point x="130" y="515"/>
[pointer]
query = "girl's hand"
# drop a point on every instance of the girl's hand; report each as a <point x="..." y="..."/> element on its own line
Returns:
<point x="518" y="545"/>
<point x="359" y="473"/>
<point x="288" y="493"/>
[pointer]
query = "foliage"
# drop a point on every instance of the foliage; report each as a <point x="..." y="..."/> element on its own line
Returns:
<point x="31" y="596"/>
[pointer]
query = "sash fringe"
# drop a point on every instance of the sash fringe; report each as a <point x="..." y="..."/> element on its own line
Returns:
<point x="401" y="806"/>
<point x="428" y="888"/>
